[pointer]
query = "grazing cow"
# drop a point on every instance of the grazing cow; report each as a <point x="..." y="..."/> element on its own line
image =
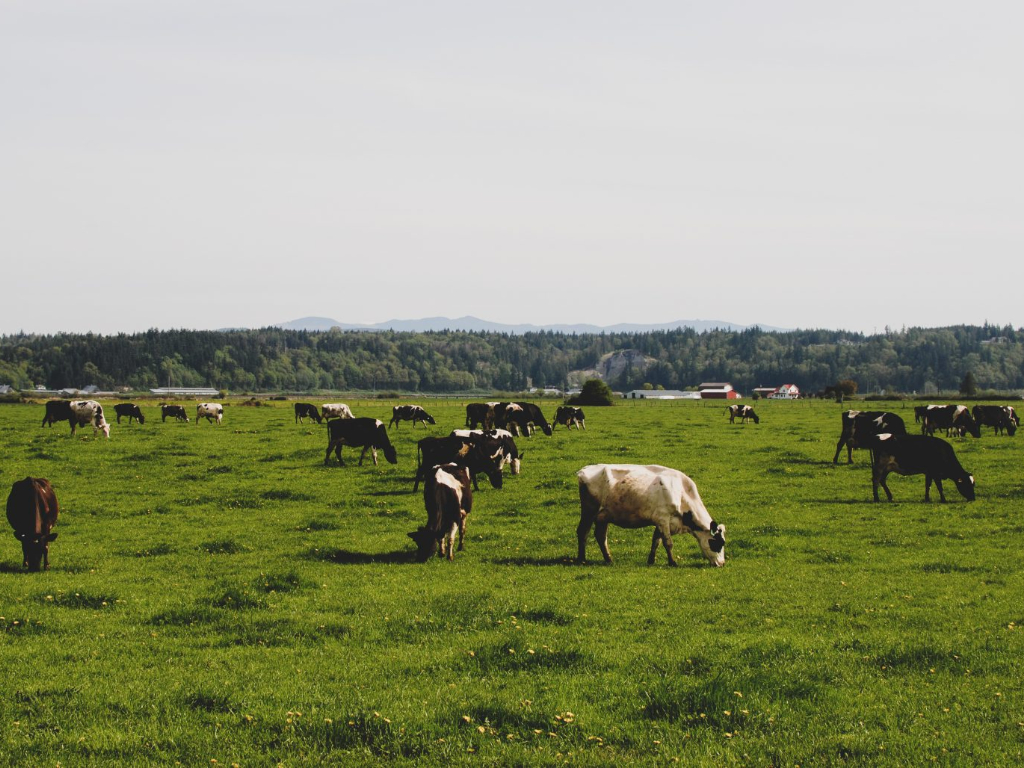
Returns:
<point x="924" y="455"/>
<point x="131" y="410"/>
<point x="859" y="426"/>
<point x="411" y="413"/>
<point x="950" y="418"/>
<point x="56" y="410"/>
<point x="535" y="417"/>
<point x="32" y="512"/>
<point x="511" y="416"/>
<point x="998" y="416"/>
<point x="744" y="412"/>
<point x="336" y="411"/>
<point x="88" y="412"/>
<point x="174" y="411"/>
<point x="509" y="451"/>
<point x="448" y="498"/>
<point x="480" y="413"/>
<point x="304" y="410"/>
<point x="569" y="415"/>
<point x="212" y="412"/>
<point x="633" y="496"/>
<point x="477" y="453"/>
<point x="366" y="433"/>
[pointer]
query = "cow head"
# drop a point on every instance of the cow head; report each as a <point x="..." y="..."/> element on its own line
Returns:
<point x="429" y="418"/>
<point x="547" y="429"/>
<point x="754" y="416"/>
<point x="965" y="485"/>
<point x="34" y="546"/>
<point x="712" y="543"/>
<point x="389" y="450"/>
<point x="426" y="543"/>
<point x="139" y="416"/>
<point x="1011" y="428"/>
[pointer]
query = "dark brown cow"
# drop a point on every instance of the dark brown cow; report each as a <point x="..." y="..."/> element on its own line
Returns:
<point x="307" y="410"/>
<point x="478" y="453"/>
<point x="448" y="498"/>
<point x="999" y="417"/>
<point x="174" y="411"/>
<point x="411" y="413"/>
<point x="363" y="432"/>
<point x="131" y="410"/>
<point x="32" y="512"/>
<point x="924" y="455"/>
<point x="480" y="413"/>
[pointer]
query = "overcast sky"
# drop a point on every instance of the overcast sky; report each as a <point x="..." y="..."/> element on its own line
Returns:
<point x="796" y="164"/>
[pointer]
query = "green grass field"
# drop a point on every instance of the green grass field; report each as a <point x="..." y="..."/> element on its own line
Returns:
<point x="218" y="596"/>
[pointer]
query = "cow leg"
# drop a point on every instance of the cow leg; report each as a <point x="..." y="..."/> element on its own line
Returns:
<point x="588" y="511"/>
<point x="363" y="455"/>
<point x="601" y="534"/>
<point x="373" y="450"/>
<point x="452" y="533"/>
<point x="655" y="540"/>
<point x="878" y="479"/>
<point x="938" y="485"/>
<point x="462" y="531"/>
<point x="666" y="539"/>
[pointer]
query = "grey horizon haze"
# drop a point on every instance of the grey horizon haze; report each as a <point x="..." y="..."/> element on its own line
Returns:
<point x="794" y="164"/>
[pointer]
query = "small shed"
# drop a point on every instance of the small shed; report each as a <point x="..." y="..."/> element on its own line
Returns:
<point x="717" y="390"/>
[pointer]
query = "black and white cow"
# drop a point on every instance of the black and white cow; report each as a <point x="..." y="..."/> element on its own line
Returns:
<point x="569" y="415"/>
<point x="951" y="418"/>
<point x="924" y="455"/>
<point x="176" y="412"/>
<point x="84" y="412"/>
<point x="212" y="412"/>
<point x="477" y="453"/>
<point x="511" y="416"/>
<point x="859" y="426"/>
<point x="307" y="410"/>
<point x="336" y="411"/>
<point x="32" y="511"/>
<point x="1000" y="417"/>
<point x="366" y="433"/>
<point x="535" y="417"/>
<point x="510" y="454"/>
<point x="448" y="497"/>
<point x="411" y="413"/>
<point x="131" y="410"/>
<point x="743" y="412"/>
<point x="56" y="410"/>
<point x="481" y="414"/>
<point x="634" y="496"/>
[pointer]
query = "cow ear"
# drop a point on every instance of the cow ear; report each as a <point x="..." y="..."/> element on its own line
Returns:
<point x="51" y="537"/>
<point x="521" y="455"/>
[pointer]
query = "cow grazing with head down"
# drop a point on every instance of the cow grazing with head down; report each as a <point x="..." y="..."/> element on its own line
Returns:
<point x="951" y="418"/>
<point x="634" y="496"/>
<point x="860" y="426"/>
<point x="368" y="434"/>
<point x="481" y="414"/>
<point x="84" y="412"/>
<point x="131" y="410"/>
<point x="448" y="498"/>
<point x="510" y="454"/>
<point x="32" y="511"/>
<point x="744" y="412"/>
<point x="411" y="413"/>
<point x="477" y="453"/>
<point x="924" y="455"/>
<point x="336" y="411"/>
<point x="307" y="410"/>
<point x="1000" y="417"/>
<point x="212" y="412"/>
<point x="534" y="417"/>
<point x="569" y="415"/>
<point x="176" y="412"/>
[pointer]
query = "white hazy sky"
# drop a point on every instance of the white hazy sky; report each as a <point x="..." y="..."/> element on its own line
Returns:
<point x="798" y="164"/>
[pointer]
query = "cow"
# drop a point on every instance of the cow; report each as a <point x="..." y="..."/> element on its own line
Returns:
<point x="212" y="412"/>
<point x="950" y="418"/>
<point x="131" y="410"/>
<point x="336" y="411"/>
<point x="480" y="413"/>
<point x="859" y="426"/>
<point x="174" y="411"/>
<point x="569" y="415"/>
<point x="411" y="413"/>
<point x="634" y="496"/>
<point x="744" y="412"/>
<point x="85" y="412"/>
<point x="56" y="410"/>
<point x="477" y="453"/>
<point x="924" y="455"/>
<point x="448" y="498"/>
<point x="366" y="433"/>
<point x="304" y="410"/>
<point x="32" y="511"/>
<point x="534" y="416"/>
<point x="511" y="416"/>
<point x="996" y="416"/>
<point x="919" y="413"/>
<point x="509" y="451"/>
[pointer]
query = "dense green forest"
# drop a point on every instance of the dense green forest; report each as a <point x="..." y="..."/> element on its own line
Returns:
<point x="271" y="359"/>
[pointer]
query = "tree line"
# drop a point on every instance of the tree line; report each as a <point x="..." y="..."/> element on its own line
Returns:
<point x="922" y="360"/>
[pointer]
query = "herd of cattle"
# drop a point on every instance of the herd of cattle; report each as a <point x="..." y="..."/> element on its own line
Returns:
<point x="627" y="495"/>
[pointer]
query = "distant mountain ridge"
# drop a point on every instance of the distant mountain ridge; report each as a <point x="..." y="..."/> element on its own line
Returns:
<point x="470" y="323"/>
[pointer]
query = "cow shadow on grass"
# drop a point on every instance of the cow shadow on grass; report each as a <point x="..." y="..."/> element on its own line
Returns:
<point x="348" y="557"/>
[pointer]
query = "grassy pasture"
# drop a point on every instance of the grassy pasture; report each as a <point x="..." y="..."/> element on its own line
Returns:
<point x="218" y="594"/>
